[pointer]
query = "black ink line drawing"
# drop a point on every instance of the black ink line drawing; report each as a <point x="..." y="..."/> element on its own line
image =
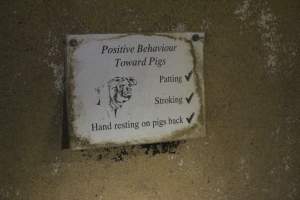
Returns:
<point x="120" y="91"/>
<point x="115" y="93"/>
<point x="98" y="91"/>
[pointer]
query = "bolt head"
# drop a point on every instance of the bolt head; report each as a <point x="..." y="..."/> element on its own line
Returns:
<point x="195" y="37"/>
<point x="73" y="42"/>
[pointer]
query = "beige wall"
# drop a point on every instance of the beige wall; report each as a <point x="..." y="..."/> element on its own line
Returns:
<point x="251" y="150"/>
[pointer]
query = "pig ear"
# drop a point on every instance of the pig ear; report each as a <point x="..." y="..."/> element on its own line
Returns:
<point x="132" y="81"/>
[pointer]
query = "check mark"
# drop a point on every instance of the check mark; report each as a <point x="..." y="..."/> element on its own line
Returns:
<point x="189" y="99"/>
<point x="189" y="75"/>
<point x="189" y="119"/>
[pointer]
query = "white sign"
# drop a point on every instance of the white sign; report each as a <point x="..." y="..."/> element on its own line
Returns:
<point x="131" y="89"/>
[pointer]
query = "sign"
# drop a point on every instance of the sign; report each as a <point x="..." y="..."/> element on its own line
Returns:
<point x="127" y="89"/>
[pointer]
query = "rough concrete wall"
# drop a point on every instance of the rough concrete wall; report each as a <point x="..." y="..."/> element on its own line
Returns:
<point x="252" y="72"/>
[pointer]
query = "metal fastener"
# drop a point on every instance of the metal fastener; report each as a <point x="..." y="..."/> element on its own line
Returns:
<point x="73" y="43"/>
<point x="195" y="37"/>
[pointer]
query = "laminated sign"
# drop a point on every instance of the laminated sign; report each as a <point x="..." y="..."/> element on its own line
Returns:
<point x="125" y="89"/>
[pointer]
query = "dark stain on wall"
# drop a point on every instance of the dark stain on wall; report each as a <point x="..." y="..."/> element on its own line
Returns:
<point x="124" y="153"/>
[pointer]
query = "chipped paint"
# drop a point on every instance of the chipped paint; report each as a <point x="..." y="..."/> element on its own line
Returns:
<point x="58" y="73"/>
<point x="250" y="13"/>
<point x="180" y="27"/>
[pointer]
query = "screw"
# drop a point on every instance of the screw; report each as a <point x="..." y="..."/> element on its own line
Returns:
<point x="195" y="37"/>
<point x="73" y="42"/>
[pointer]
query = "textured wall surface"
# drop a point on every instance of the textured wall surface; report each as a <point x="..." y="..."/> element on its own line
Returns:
<point x="252" y="79"/>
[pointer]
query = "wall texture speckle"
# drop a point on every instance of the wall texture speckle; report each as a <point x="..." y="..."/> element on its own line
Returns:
<point x="252" y="72"/>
